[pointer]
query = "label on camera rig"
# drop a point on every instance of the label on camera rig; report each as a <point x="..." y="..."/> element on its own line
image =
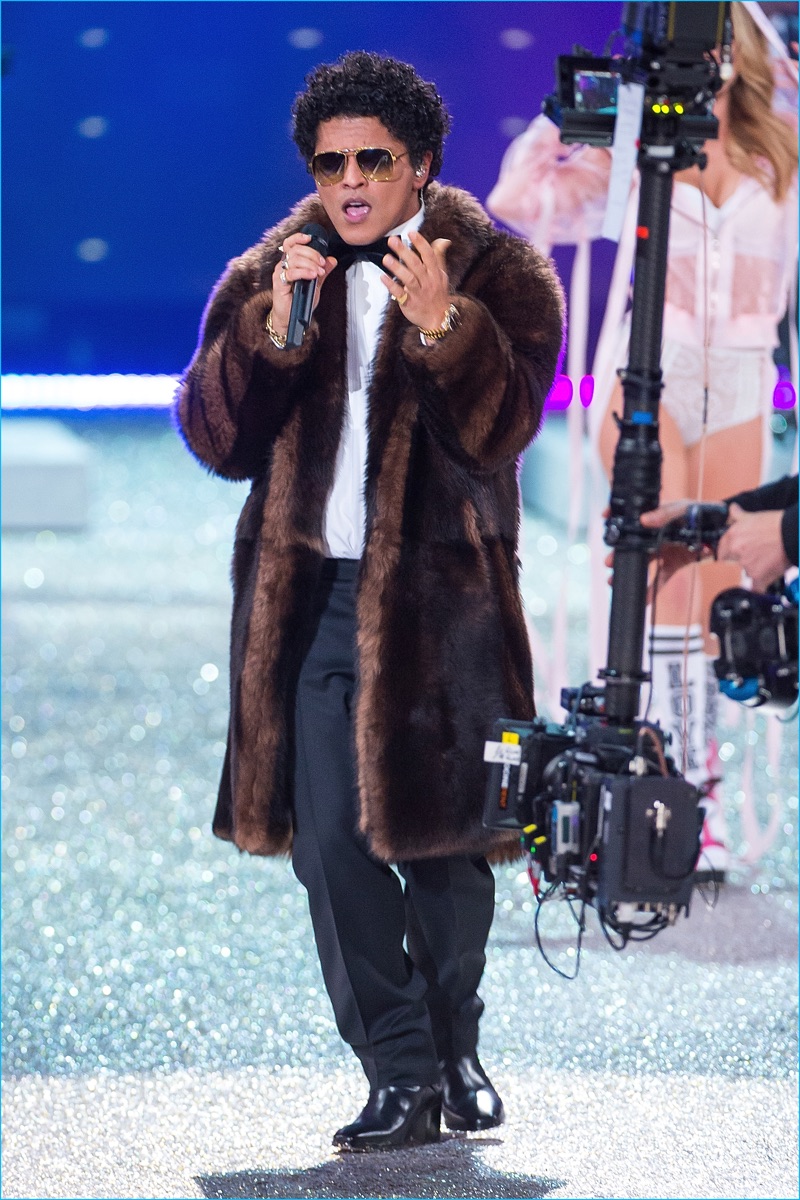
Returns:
<point x="502" y="752"/>
<point x="506" y="755"/>
<point x="565" y="834"/>
<point x="517" y="754"/>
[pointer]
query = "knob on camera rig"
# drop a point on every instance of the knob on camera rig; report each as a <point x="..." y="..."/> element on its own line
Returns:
<point x="605" y="817"/>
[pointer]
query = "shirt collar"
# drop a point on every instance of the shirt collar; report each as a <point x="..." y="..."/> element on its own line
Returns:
<point x="413" y="223"/>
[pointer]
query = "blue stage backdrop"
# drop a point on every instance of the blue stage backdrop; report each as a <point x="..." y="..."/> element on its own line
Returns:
<point x="145" y="144"/>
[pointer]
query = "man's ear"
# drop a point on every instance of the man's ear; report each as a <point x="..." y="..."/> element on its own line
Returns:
<point x="421" y="172"/>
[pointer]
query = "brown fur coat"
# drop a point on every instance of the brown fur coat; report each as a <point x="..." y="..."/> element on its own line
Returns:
<point x="442" y="643"/>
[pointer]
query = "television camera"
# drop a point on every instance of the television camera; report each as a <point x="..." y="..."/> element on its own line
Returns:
<point x="605" y="817"/>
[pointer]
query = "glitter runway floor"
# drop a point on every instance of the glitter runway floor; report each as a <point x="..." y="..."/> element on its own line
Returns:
<point x="166" y="1032"/>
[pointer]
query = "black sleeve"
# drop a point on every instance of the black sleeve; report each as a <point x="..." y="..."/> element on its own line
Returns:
<point x="789" y="532"/>
<point x="780" y="494"/>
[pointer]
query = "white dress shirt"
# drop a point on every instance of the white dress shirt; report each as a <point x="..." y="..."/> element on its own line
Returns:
<point x="345" y="514"/>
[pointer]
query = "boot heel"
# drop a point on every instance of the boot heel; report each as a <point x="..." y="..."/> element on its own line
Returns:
<point x="426" y="1124"/>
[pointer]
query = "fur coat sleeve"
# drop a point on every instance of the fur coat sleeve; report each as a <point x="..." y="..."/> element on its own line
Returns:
<point x="239" y="387"/>
<point x="482" y="388"/>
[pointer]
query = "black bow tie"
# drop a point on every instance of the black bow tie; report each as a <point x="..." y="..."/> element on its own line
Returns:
<point x="346" y="255"/>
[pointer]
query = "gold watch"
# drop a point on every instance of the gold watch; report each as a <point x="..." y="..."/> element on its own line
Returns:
<point x="451" y="320"/>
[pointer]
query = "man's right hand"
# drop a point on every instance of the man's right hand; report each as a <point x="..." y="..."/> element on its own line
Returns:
<point x="755" y="539"/>
<point x="671" y="557"/>
<point x="298" y="261"/>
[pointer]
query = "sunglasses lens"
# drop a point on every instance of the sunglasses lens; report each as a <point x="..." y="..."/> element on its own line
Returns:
<point x="328" y="167"/>
<point x="376" y="164"/>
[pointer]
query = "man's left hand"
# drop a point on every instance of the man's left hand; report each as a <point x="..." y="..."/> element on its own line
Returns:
<point x="420" y="275"/>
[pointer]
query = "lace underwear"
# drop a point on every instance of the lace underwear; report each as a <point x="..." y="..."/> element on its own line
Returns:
<point x="740" y="386"/>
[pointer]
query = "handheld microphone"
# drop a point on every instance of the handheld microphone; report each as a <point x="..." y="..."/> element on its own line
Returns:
<point x="303" y="292"/>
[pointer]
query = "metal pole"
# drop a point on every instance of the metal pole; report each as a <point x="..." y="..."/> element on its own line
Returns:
<point x="637" y="462"/>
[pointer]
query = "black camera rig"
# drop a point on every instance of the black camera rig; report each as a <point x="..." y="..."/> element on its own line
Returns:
<point x="605" y="817"/>
<point x="757" y="634"/>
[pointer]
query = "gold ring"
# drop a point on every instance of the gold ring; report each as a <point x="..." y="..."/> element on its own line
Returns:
<point x="402" y="299"/>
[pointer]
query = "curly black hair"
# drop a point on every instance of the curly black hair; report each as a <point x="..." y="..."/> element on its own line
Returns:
<point x="362" y="84"/>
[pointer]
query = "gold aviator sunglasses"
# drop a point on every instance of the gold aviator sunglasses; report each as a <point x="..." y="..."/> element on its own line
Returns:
<point x="375" y="164"/>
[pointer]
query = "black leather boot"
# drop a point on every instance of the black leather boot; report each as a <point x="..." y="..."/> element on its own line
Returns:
<point x="394" y="1117"/>
<point x="469" y="1101"/>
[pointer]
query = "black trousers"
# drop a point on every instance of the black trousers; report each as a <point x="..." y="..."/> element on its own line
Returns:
<point x="401" y="1008"/>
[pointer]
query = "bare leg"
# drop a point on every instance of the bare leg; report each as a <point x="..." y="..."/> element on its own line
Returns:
<point x="732" y="464"/>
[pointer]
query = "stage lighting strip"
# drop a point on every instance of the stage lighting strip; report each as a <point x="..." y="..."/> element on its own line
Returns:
<point x="86" y="393"/>
<point x="90" y="393"/>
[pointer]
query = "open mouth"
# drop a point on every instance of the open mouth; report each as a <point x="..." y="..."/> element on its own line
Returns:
<point x="356" y="211"/>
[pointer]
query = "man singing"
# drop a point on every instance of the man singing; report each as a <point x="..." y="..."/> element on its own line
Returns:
<point x="377" y="624"/>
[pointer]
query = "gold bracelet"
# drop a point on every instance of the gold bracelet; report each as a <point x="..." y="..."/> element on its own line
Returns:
<point x="451" y="318"/>
<point x="277" y="339"/>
